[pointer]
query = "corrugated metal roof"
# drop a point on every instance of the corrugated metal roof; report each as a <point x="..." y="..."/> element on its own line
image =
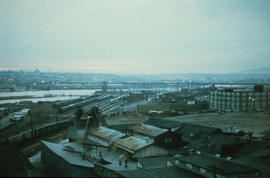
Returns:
<point x="223" y="166"/>
<point x="97" y="141"/>
<point x="132" y="144"/>
<point x="148" y="130"/>
<point x="108" y="135"/>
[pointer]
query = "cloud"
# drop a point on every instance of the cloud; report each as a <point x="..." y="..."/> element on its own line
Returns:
<point x="152" y="36"/>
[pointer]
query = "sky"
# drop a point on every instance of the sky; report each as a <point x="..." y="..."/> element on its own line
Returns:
<point x="135" y="36"/>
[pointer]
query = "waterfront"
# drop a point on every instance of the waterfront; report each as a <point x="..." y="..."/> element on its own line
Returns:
<point x="50" y="95"/>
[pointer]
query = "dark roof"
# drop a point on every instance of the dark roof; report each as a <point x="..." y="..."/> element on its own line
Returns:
<point x="159" y="172"/>
<point x="223" y="166"/>
<point x="162" y="123"/>
<point x="223" y="139"/>
<point x="155" y="162"/>
<point x="191" y="132"/>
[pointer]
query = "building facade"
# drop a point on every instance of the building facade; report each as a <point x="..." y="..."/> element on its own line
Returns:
<point x="239" y="100"/>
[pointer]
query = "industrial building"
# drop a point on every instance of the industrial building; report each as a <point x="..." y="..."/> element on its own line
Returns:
<point x="240" y="100"/>
<point x="67" y="161"/>
<point x="162" y="137"/>
<point x="211" y="166"/>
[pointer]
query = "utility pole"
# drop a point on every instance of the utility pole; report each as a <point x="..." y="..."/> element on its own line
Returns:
<point x="31" y="123"/>
<point x="214" y="168"/>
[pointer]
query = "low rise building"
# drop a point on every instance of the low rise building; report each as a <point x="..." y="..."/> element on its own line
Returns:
<point x="139" y="148"/>
<point x="190" y="132"/>
<point x="211" y="166"/>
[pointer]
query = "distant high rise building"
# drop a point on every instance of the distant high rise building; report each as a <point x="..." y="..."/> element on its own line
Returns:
<point x="240" y="100"/>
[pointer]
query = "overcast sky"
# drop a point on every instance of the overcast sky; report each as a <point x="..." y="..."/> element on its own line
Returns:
<point x="135" y="36"/>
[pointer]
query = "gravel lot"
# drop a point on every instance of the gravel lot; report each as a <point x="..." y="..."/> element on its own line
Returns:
<point x="254" y="122"/>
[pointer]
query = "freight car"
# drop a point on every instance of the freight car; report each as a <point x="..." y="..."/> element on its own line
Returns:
<point x="30" y="135"/>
